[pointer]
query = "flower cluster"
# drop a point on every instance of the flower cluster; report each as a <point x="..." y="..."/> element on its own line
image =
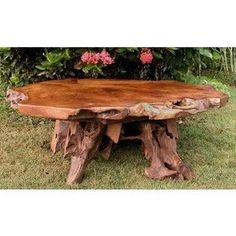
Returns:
<point x="92" y="63"/>
<point x="106" y="58"/>
<point x="95" y="58"/>
<point x="90" y="57"/>
<point x="146" y="56"/>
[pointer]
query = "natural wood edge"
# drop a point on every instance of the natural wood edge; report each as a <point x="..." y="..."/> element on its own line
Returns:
<point x="170" y="110"/>
<point x="175" y="99"/>
<point x="141" y="110"/>
<point x="15" y="97"/>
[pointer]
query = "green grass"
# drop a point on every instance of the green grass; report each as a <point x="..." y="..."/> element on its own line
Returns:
<point x="207" y="142"/>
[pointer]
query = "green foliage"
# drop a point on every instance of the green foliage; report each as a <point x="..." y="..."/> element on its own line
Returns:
<point x="19" y="66"/>
<point x="193" y="79"/>
<point x="16" y="80"/>
<point x="54" y="60"/>
<point x="125" y="50"/>
<point x="90" y="70"/>
<point x="54" y="63"/>
<point x="205" y="52"/>
<point x="230" y="79"/>
<point x="94" y="70"/>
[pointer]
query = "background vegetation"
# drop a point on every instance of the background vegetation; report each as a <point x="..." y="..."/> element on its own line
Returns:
<point x="20" y="66"/>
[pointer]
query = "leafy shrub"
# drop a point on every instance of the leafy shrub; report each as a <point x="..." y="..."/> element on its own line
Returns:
<point x="19" y="66"/>
<point x="54" y="60"/>
<point x="193" y="79"/>
<point x="229" y="79"/>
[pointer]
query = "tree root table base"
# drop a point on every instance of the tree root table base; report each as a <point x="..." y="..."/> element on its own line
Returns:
<point x="82" y="140"/>
<point x="94" y="115"/>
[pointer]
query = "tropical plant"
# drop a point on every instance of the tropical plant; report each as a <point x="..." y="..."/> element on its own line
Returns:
<point x="19" y="66"/>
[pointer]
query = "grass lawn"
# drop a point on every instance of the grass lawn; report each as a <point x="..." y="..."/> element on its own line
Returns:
<point x="207" y="142"/>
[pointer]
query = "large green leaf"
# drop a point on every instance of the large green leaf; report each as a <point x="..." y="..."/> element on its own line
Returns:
<point x="205" y="52"/>
<point x="216" y="56"/>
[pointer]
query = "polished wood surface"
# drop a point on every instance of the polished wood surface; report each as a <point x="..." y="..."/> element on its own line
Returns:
<point x="62" y="99"/>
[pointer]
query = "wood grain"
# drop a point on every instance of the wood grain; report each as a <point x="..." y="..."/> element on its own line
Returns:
<point x="110" y="99"/>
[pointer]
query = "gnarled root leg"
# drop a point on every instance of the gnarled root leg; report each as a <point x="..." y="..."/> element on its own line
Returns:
<point x="111" y="136"/>
<point x="166" y="135"/>
<point x="157" y="169"/>
<point x="106" y="147"/>
<point x="83" y="140"/>
<point x="159" y="145"/>
<point x="59" y="135"/>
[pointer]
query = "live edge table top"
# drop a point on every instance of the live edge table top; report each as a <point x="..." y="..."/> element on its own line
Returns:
<point x="112" y="99"/>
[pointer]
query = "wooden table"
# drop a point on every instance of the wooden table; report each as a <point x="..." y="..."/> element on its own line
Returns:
<point x="94" y="114"/>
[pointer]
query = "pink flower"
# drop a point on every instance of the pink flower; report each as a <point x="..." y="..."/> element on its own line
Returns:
<point x="85" y="57"/>
<point x="95" y="58"/>
<point x="90" y="57"/>
<point x="106" y="58"/>
<point x="146" y="56"/>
